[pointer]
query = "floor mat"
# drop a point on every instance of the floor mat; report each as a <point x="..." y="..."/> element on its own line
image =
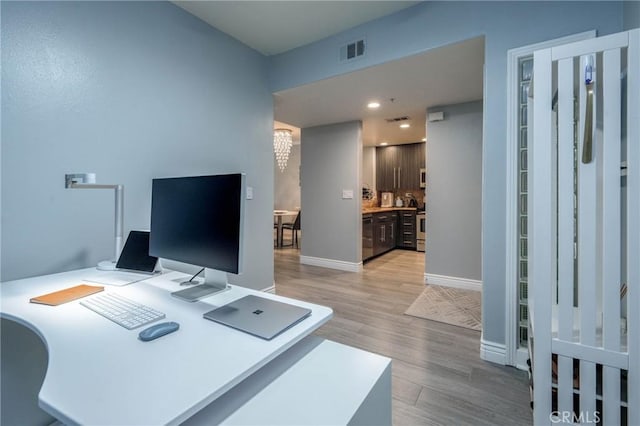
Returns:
<point x="450" y="305"/>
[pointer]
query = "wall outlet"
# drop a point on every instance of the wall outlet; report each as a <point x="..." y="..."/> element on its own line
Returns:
<point x="347" y="194"/>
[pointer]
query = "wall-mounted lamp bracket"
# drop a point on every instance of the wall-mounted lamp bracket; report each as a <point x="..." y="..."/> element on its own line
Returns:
<point x="73" y="178"/>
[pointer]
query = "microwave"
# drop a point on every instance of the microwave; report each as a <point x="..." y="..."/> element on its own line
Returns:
<point x="423" y="178"/>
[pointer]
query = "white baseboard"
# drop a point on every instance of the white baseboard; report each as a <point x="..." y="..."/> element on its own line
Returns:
<point x="522" y="355"/>
<point x="444" y="281"/>
<point x="493" y="352"/>
<point x="331" y="264"/>
<point x="271" y="289"/>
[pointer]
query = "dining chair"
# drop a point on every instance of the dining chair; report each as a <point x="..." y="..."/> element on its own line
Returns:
<point x="275" y="237"/>
<point x="294" y="227"/>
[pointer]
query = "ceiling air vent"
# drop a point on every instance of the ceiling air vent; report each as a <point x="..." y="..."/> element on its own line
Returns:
<point x="352" y="50"/>
<point x="395" y="120"/>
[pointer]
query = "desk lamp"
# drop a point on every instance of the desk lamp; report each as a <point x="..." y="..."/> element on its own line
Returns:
<point x="88" y="181"/>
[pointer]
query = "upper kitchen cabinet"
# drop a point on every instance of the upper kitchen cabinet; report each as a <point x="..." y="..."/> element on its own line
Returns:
<point x="398" y="167"/>
<point x="412" y="158"/>
<point x="387" y="163"/>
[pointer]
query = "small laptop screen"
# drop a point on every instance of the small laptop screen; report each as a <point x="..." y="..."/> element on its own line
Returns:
<point x="135" y="254"/>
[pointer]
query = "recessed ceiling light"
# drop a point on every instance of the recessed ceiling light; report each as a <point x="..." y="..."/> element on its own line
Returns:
<point x="384" y="144"/>
<point x="373" y="105"/>
<point x="405" y="125"/>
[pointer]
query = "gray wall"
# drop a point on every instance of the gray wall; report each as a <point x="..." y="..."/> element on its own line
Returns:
<point x="631" y="14"/>
<point x="454" y="192"/>
<point x="286" y="190"/>
<point x="331" y="162"/>
<point x="429" y="25"/>
<point x="130" y="91"/>
<point x="369" y="166"/>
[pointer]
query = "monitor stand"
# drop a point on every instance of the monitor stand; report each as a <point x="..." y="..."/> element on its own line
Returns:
<point x="214" y="282"/>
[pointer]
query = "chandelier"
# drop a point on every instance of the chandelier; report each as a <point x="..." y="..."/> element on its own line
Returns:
<point x="282" y="140"/>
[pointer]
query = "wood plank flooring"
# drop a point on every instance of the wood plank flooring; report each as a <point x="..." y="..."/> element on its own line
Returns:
<point x="438" y="376"/>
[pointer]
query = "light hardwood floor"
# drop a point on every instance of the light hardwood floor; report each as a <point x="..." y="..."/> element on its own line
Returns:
<point x="438" y="376"/>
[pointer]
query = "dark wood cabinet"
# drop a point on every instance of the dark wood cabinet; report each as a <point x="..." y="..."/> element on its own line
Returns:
<point x="384" y="231"/>
<point x="387" y="164"/>
<point x="407" y="230"/>
<point x="398" y="166"/>
<point x="367" y="236"/>
<point x="391" y="230"/>
<point x="385" y="227"/>
<point x="387" y="230"/>
<point x="412" y="158"/>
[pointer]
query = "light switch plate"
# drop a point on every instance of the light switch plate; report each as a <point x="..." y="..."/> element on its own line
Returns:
<point x="347" y="194"/>
<point x="249" y="192"/>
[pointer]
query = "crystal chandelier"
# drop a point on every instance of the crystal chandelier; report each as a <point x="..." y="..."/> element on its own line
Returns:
<point x="282" y="141"/>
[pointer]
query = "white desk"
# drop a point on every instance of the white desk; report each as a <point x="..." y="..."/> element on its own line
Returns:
<point x="316" y="382"/>
<point x="100" y="373"/>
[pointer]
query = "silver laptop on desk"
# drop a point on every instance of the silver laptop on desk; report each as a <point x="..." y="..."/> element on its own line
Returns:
<point x="259" y="316"/>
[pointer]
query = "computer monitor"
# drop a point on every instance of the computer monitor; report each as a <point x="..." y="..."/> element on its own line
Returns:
<point x="199" y="220"/>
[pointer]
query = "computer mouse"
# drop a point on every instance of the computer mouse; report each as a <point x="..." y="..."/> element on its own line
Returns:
<point x="158" y="330"/>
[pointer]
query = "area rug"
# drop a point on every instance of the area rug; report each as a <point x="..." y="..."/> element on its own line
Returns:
<point x="450" y="305"/>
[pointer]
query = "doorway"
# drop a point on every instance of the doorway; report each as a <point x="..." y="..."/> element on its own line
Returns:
<point x="287" y="192"/>
<point x="405" y="90"/>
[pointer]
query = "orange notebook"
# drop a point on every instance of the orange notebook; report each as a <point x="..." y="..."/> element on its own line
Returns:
<point x="66" y="295"/>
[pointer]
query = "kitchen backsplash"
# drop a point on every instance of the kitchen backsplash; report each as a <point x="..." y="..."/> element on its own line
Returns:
<point x="418" y="195"/>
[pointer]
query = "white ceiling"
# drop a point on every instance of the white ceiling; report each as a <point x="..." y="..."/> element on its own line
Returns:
<point x="273" y="27"/>
<point x="406" y="87"/>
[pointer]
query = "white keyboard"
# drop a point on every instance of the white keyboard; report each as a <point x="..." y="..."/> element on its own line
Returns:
<point x="122" y="311"/>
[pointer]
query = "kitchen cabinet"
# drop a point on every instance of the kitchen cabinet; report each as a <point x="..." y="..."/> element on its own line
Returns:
<point x="398" y="167"/>
<point x="407" y="230"/>
<point x="412" y="159"/>
<point x="367" y="236"/>
<point x="384" y="232"/>
<point x="386" y="167"/>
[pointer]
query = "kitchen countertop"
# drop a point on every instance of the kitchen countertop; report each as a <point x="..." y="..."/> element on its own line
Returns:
<point x="366" y="210"/>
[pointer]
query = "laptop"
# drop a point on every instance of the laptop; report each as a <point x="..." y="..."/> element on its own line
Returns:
<point x="135" y="253"/>
<point x="261" y="317"/>
<point x="134" y="263"/>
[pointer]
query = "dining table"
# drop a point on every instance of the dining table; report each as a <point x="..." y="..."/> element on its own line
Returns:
<point x="278" y="215"/>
